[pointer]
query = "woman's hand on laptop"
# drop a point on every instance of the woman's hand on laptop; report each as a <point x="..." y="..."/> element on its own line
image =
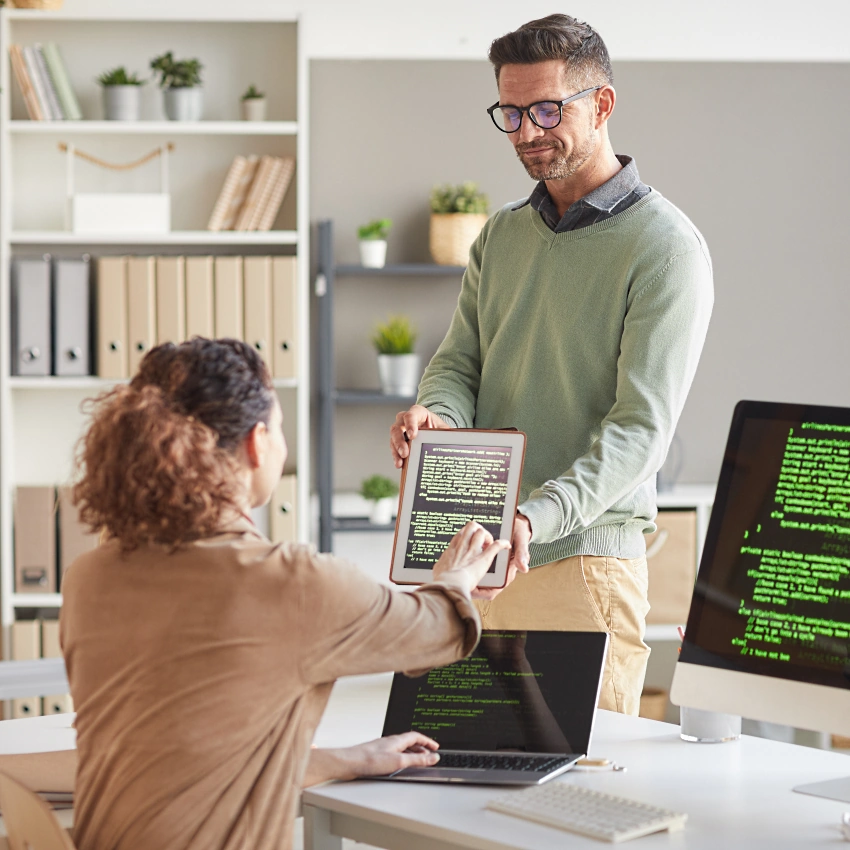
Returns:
<point x="406" y="427"/>
<point x="470" y="551"/>
<point x="374" y="758"/>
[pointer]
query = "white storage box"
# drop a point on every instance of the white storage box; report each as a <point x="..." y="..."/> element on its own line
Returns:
<point x="120" y="213"/>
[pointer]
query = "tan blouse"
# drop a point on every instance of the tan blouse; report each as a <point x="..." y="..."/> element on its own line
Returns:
<point x="199" y="678"/>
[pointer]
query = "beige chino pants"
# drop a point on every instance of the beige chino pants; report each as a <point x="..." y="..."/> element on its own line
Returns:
<point x="585" y="593"/>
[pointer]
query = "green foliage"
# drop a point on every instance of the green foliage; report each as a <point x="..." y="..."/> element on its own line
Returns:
<point x="253" y="93"/>
<point x="377" y="487"/>
<point x="376" y="229"/>
<point x="395" y="336"/>
<point x="177" y="73"/>
<point x="464" y="198"/>
<point x="119" y="77"/>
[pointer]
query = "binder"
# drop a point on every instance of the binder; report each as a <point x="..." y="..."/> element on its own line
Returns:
<point x="26" y="646"/>
<point x="35" y="540"/>
<point x="170" y="299"/>
<point x="258" y="305"/>
<point x="284" y="317"/>
<point x="31" y="349"/>
<point x="112" y="360"/>
<point x="74" y="539"/>
<point x="228" y="297"/>
<point x="141" y="309"/>
<point x="283" y="520"/>
<point x="50" y="648"/>
<point x="199" y="297"/>
<point x="71" y="317"/>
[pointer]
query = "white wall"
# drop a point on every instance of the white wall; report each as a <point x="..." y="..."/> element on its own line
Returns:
<point x="734" y="30"/>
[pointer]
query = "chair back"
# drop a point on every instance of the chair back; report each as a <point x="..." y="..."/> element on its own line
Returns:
<point x="30" y="823"/>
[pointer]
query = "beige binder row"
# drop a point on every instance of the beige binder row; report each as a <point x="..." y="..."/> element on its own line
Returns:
<point x="41" y="554"/>
<point x="37" y="639"/>
<point x="144" y="301"/>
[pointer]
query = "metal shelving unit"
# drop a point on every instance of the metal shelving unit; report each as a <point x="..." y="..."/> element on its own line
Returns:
<point x="329" y="394"/>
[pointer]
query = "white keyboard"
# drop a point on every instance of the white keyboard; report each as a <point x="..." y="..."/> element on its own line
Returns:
<point x="576" y="809"/>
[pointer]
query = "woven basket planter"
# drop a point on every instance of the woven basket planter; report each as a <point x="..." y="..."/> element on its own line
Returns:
<point x="452" y="235"/>
<point x="38" y="4"/>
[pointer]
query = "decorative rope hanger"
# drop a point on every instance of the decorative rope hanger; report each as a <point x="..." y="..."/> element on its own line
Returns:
<point x="116" y="166"/>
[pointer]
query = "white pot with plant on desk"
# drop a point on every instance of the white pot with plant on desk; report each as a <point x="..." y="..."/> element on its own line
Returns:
<point x="373" y="243"/>
<point x="253" y="104"/>
<point x="382" y="493"/>
<point x="121" y="95"/>
<point x="398" y="366"/>
<point x="180" y="81"/>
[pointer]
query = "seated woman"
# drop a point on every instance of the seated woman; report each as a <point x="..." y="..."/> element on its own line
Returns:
<point x="200" y="655"/>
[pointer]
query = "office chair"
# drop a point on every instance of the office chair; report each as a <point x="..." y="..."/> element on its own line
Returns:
<point x="30" y="824"/>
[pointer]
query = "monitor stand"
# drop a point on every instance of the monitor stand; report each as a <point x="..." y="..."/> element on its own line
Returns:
<point x="832" y="789"/>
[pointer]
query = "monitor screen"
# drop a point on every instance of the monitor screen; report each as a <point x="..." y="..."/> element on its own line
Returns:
<point x="518" y="691"/>
<point x="772" y="596"/>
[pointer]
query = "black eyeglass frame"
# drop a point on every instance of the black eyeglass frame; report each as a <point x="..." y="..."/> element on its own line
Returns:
<point x="524" y="109"/>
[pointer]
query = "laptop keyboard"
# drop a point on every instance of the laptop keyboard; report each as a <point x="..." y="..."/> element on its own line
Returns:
<point x="502" y="761"/>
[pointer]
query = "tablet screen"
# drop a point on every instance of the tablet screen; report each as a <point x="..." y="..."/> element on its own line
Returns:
<point x="455" y="485"/>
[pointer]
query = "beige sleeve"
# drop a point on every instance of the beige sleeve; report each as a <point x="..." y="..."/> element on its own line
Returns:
<point x="350" y="624"/>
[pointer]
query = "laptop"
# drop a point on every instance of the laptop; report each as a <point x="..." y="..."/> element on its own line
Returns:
<point x="518" y="711"/>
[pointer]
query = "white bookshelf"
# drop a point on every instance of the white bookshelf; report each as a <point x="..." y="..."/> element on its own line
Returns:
<point x="40" y="418"/>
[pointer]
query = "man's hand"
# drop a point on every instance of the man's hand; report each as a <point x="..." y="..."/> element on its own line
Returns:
<point x="519" y="557"/>
<point x="409" y="422"/>
<point x="374" y="758"/>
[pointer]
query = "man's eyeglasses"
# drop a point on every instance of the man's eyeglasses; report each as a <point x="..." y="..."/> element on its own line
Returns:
<point x="546" y="114"/>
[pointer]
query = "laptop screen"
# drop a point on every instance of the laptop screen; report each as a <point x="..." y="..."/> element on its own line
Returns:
<point x="518" y="691"/>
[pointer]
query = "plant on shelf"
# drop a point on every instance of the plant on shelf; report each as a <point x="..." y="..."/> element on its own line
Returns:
<point x="457" y="215"/>
<point x="373" y="242"/>
<point x="121" y="94"/>
<point x="180" y="80"/>
<point x="253" y="104"/>
<point x="379" y="490"/>
<point x="398" y="366"/>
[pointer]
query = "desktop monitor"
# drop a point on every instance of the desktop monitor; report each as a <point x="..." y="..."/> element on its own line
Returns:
<point x="768" y="633"/>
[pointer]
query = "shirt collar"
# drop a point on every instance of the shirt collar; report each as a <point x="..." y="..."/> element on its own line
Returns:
<point x="604" y="197"/>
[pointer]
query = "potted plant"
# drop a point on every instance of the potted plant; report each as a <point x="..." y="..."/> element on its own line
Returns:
<point x="121" y="95"/>
<point x="398" y="366"/>
<point x="457" y="215"/>
<point x="253" y="104"/>
<point x="373" y="242"/>
<point x="381" y="492"/>
<point x="180" y="80"/>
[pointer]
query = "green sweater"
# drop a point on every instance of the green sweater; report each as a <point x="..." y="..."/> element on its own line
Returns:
<point x="588" y="341"/>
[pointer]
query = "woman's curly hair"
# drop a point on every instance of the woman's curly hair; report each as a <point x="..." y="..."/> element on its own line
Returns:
<point x="157" y="464"/>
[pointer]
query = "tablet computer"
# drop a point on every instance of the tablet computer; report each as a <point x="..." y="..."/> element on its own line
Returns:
<point x="452" y="477"/>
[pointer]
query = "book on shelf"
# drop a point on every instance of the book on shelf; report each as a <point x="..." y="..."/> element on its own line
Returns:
<point x="19" y="68"/>
<point x="56" y="68"/>
<point x="252" y="193"/>
<point x="37" y="82"/>
<point x="53" y="104"/>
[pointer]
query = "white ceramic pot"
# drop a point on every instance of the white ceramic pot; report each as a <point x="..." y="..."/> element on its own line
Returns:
<point x="122" y="103"/>
<point x="382" y="511"/>
<point x="399" y="373"/>
<point x="184" y="104"/>
<point x="373" y="253"/>
<point x="253" y="109"/>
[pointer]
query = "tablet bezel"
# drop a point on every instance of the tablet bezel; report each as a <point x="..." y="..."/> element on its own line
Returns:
<point x="516" y="440"/>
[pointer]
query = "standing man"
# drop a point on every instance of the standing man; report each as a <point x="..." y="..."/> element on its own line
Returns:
<point x="580" y="321"/>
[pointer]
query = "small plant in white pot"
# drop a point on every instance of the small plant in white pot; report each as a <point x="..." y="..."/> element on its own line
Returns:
<point x="373" y="242"/>
<point x="180" y="81"/>
<point x="253" y="104"/>
<point x="381" y="492"/>
<point x="398" y="366"/>
<point x="121" y="95"/>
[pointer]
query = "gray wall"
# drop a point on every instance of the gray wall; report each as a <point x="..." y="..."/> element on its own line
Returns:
<point x="755" y="154"/>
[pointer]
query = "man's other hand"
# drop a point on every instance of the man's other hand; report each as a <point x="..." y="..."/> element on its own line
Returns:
<point x="409" y="422"/>
<point x="519" y="557"/>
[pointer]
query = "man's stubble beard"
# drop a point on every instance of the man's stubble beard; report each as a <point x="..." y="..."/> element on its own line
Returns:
<point x="562" y="165"/>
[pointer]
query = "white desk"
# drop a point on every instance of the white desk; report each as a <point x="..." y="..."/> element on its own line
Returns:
<point x="738" y="795"/>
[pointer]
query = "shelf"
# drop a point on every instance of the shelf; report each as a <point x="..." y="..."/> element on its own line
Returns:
<point x="370" y="397"/>
<point x="352" y="523"/>
<point x="86" y="382"/>
<point x="37" y="600"/>
<point x="175" y="237"/>
<point x="158" y="128"/>
<point x="403" y="270"/>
